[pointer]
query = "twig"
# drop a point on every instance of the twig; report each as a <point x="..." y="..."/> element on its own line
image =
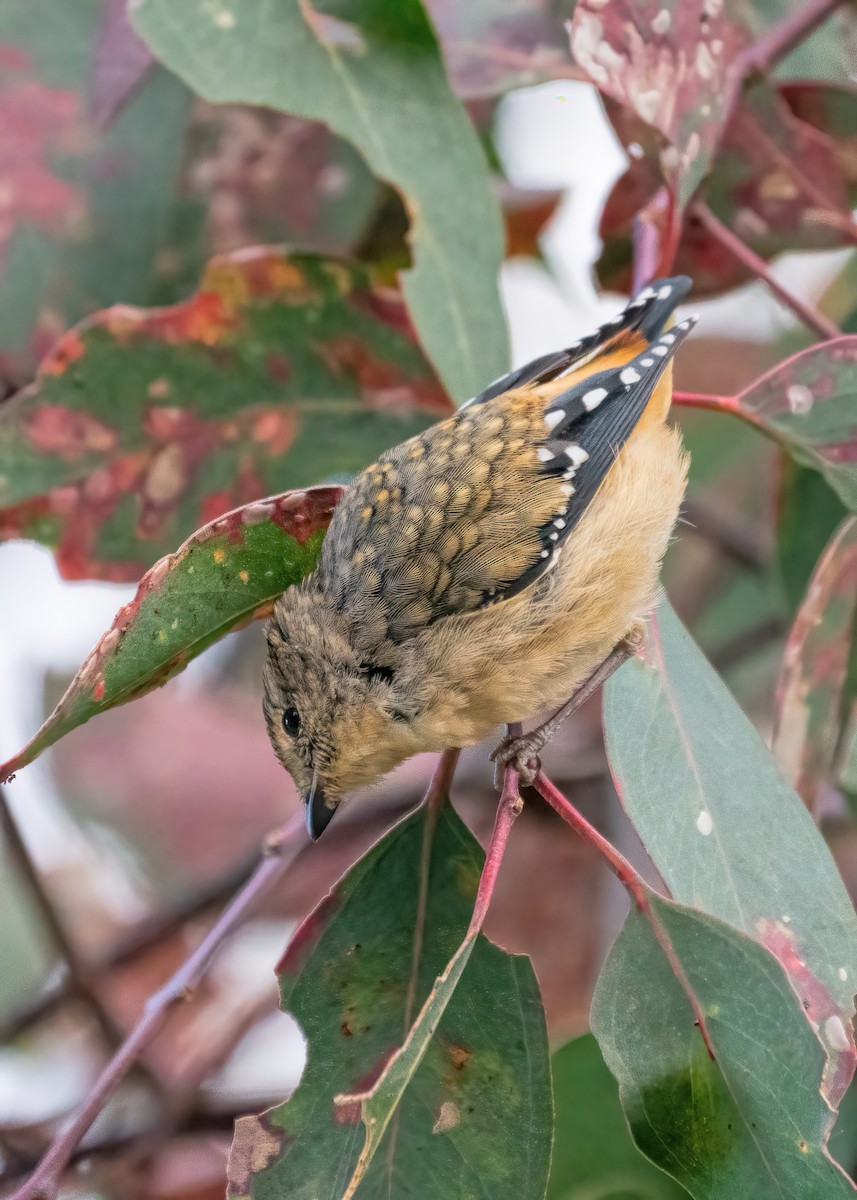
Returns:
<point x="632" y="882"/>
<point x="45" y="1180"/>
<point x="735" y="541"/>
<point x="810" y="316"/>
<point x="80" y="976"/>
<point x="775" y="43"/>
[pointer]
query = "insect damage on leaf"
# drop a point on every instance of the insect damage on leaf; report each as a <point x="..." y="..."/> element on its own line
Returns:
<point x="145" y="424"/>
<point x="230" y="572"/>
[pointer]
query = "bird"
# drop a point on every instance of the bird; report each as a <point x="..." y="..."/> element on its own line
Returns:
<point x="488" y="569"/>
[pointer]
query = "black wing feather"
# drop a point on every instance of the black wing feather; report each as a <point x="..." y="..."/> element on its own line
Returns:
<point x="586" y="436"/>
<point x="647" y="314"/>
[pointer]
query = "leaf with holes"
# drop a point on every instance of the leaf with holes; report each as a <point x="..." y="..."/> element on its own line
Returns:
<point x="811" y="700"/>
<point x="784" y="178"/>
<point x="341" y="63"/>
<point x="594" y="1157"/>
<point x="807" y="404"/>
<point x="230" y="572"/>
<point x="477" y="1113"/>
<point x="749" y="1121"/>
<point x="143" y="425"/>
<point x="83" y="203"/>
<point x="726" y="832"/>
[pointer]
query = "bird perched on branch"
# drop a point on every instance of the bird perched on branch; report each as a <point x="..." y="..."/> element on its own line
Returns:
<point x="488" y="569"/>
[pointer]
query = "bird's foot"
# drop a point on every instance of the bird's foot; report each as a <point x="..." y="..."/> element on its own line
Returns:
<point x="522" y="753"/>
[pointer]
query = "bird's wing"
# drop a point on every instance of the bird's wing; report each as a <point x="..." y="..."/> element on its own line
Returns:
<point x="478" y="508"/>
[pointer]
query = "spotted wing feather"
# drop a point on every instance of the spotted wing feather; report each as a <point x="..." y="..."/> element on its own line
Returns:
<point x="646" y="315"/>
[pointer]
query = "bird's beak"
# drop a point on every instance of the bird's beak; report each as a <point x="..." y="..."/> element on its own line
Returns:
<point x="318" y="812"/>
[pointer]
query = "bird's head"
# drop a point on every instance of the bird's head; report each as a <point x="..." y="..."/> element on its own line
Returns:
<point x="337" y="719"/>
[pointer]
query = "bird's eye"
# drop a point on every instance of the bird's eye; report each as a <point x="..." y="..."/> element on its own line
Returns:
<point x="291" y="721"/>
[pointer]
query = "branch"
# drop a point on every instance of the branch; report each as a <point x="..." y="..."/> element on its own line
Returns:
<point x="772" y="46"/>
<point x="281" y="849"/>
<point x="631" y="881"/>
<point x="810" y="316"/>
<point x="80" y="982"/>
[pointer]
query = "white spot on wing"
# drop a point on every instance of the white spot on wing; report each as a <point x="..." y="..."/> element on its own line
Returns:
<point x="576" y="454"/>
<point x="629" y="376"/>
<point x="660" y="351"/>
<point x="553" y="417"/>
<point x="544" y="454"/>
<point x="665" y="292"/>
<point x="567" y="489"/>
<point x="593" y="398"/>
<point x="704" y="823"/>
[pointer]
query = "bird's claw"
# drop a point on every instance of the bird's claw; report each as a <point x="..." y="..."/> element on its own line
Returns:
<point x="522" y="753"/>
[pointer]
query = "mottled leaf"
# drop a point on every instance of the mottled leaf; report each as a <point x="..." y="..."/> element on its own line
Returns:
<point x="726" y="832"/>
<point x="227" y="574"/>
<point x="668" y="62"/>
<point x="373" y="73"/>
<point x="594" y="1157"/>
<point x="808" y="403"/>
<point x="784" y="178"/>
<point x="82" y="205"/>
<point x="751" y="1121"/>
<point x="476" y="1118"/>
<point x="810" y="693"/>
<point x="145" y="424"/>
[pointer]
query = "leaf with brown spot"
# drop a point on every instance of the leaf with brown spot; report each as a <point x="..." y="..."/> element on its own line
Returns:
<point x="143" y="424"/>
<point x="341" y="63"/>
<point x="369" y="959"/>
<point x="227" y="574"/>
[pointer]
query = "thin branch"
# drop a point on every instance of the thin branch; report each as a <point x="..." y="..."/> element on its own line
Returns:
<point x="772" y="46"/>
<point x="706" y="400"/>
<point x="810" y="316"/>
<point x="81" y="982"/>
<point x="45" y="1180"/>
<point x="632" y="882"/>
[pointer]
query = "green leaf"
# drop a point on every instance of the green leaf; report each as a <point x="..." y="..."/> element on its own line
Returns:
<point x="726" y="832"/>
<point x="143" y="425"/>
<point x="809" y="512"/>
<point x="229" y="573"/>
<point x="749" y="1122"/>
<point x="594" y="1157"/>
<point x="83" y="204"/>
<point x="373" y="73"/>
<point x="476" y="1118"/>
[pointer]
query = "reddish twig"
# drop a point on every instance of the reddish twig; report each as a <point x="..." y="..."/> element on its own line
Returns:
<point x="632" y="882"/>
<point x="810" y="316"/>
<point x="45" y="1180"/>
<point x="508" y="810"/>
<point x="775" y="43"/>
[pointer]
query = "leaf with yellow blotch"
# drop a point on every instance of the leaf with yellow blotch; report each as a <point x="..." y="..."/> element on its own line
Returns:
<point x="145" y="424"/>
<point x="227" y="574"/>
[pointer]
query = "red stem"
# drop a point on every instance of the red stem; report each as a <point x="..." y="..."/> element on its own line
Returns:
<point x="44" y="1181"/>
<point x="704" y="400"/>
<point x="508" y="810"/>
<point x="633" y="882"/>
<point x="810" y="316"/>
<point x="775" y="43"/>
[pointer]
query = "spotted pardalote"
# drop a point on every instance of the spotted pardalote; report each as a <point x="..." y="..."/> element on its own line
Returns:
<point x="478" y="574"/>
